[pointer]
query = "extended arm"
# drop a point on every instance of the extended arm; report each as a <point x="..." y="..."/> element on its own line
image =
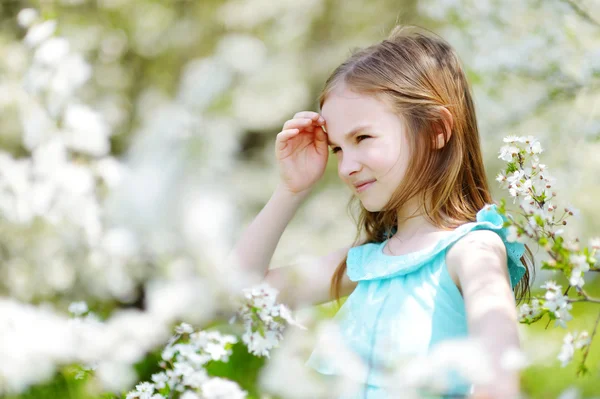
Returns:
<point x="480" y="263"/>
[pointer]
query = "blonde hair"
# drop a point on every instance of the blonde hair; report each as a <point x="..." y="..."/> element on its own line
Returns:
<point x="417" y="74"/>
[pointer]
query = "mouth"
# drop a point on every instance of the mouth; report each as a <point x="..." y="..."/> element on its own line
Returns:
<point x="364" y="186"/>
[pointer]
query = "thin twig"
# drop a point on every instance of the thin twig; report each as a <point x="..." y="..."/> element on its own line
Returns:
<point x="591" y="300"/>
<point x="587" y="348"/>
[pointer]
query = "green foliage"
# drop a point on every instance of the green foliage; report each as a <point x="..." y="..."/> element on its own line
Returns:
<point x="63" y="385"/>
<point x="546" y="379"/>
<point x="242" y="368"/>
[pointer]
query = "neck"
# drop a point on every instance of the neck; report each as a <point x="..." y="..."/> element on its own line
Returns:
<point x="412" y="221"/>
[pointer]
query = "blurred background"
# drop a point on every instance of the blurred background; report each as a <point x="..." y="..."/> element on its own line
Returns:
<point x="138" y="136"/>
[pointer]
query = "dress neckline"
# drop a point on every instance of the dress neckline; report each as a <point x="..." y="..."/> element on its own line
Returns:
<point x="417" y="252"/>
<point x="369" y="262"/>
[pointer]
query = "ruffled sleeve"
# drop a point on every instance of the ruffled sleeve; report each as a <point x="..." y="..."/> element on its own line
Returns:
<point x="368" y="262"/>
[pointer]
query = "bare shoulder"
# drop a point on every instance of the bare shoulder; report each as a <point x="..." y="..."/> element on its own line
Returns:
<point x="474" y="249"/>
<point x="478" y="240"/>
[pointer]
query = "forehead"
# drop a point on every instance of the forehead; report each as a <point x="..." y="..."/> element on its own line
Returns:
<point x="345" y="110"/>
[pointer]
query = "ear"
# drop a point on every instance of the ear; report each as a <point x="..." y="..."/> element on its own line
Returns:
<point x="443" y="128"/>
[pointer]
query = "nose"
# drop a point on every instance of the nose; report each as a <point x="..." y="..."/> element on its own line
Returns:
<point x="348" y="165"/>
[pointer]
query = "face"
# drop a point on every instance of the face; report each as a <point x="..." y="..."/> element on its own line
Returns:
<point x="369" y="142"/>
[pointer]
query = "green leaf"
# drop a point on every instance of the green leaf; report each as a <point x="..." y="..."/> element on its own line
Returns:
<point x="511" y="167"/>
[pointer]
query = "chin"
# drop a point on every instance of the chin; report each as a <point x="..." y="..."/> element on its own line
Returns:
<point x="371" y="207"/>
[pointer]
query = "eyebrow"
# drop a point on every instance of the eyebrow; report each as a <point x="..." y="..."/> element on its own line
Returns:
<point x="350" y="133"/>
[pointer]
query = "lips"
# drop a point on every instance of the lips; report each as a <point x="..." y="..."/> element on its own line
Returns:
<point x="363" y="182"/>
<point x="362" y="185"/>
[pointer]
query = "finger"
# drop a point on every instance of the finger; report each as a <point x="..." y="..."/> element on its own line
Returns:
<point x="287" y="134"/>
<point x="320" y="135"/>
<point x="314" y="116"/>
<point x="283" y="137"/>
<point x="297" y="123"/>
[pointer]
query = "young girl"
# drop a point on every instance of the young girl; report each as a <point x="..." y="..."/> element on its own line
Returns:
<point x="431" y="260"/>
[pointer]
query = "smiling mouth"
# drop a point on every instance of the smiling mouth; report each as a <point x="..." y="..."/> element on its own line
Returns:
<point x="365" y="186"/>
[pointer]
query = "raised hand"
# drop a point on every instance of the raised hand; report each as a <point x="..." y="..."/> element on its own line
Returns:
<point x="301" y="151"/>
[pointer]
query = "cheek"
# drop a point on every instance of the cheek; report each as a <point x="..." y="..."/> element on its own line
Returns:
<point x="386" y="160"/>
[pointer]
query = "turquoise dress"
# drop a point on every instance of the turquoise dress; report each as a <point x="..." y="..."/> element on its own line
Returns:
<point x="404" y="305"/>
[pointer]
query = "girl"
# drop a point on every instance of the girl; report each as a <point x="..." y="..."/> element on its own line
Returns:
<point x="431" y="260"/>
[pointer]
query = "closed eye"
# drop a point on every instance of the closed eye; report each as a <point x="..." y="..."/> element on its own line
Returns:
<point x="360" y="138"/>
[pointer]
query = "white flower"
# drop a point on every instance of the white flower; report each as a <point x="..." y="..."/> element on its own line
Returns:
<point x="145" y="390"/>
<point x="52" y="51"/>
<point x="160" y="380"/>
<point x="27" y="16"/>
<point x="78" y="308"/>
<point x="534" y="148"/>
<point x="582" y="340"/>
<point x="524" y="311"/>
<point x="168" y="353"/>
<point x="120" y="243"/>
<point x="110" y="170"/>
<point x="580" y="267"/>
<point x="567" y="350"/>
<point x="184" y="328"/>
<point x="557" y="303"/>
<point x="71" y="73"/>
<point x="511" y="139"/>
<point x="580" y="262"/>
<point x="259" y="345"/>
<point x="183" y="369"/>
<point x="244" y="53"/>
<point x="286" y="314"/>
<point x="86" y="130"/>
<point x="507" y="153"/>
<point x="576" y="278"/>
<point x="145" y="387"/>
<point x="39" y="33"/>
<point x="515" y="183"/>
<point x="216" y="351"/>
<point x="594" y="242"/>
<point x="551" y="286"/>
<point x="218" y="388"/>
<point x="572" y="342"/>
<point x="514" y="235"/>
<point x="528" y="312"/>
<point x="563" y="315"/>
<point x="526" y="139"/>
<point x="259" y="312"/>
<point x="195" y="379"/>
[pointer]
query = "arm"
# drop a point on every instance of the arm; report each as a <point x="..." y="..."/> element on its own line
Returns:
<point x="258" y="242"/>
<point x="479" y="262"/>
<point x="301" y="153"/>
<point x="302" y="284"/>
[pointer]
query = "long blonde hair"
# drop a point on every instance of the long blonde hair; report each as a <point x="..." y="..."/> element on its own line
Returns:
<point x="417" y="73"/>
